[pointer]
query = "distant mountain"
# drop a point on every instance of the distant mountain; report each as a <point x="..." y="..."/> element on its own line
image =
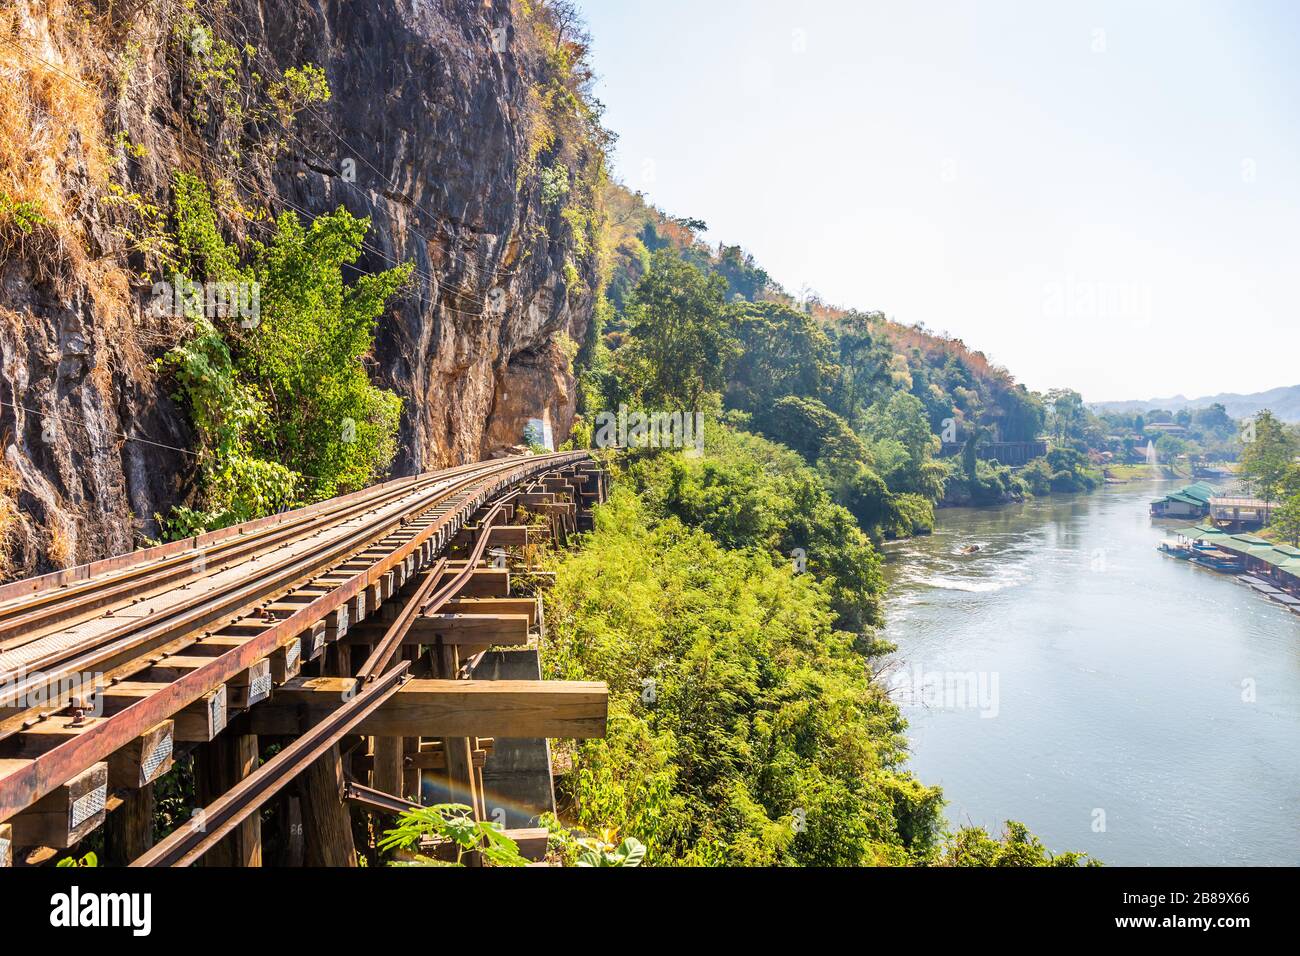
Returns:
<point x="1283" y="402"/>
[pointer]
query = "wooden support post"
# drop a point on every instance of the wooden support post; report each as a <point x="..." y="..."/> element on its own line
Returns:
<point x="458" y="751"/>
<point x="218" y="767"/>
<point x="327" y="823"/>
<point x="386" y="775"/>
<point x="291" y="848"/>
<point x="128" y="831"/>
<point x="248" y="836"/>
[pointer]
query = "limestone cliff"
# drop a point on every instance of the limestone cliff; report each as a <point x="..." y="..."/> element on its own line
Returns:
<point x="435" y="128"/>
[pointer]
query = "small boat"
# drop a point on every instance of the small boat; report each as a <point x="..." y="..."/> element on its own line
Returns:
<point x="1177" y="549"/>
<point x="1219" y="560"/>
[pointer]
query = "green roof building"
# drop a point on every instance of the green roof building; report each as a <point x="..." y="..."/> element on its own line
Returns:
<point x="1192" y="502"/>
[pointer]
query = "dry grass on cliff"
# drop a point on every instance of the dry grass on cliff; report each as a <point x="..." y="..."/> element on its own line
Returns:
<point x="51" y="123"/>
<point x="61" y="549"/>
<point x="55" y="162"/>
<point x="9" y="519"/>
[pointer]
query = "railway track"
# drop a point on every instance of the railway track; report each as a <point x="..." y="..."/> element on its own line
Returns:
<point x="108" y="670"/>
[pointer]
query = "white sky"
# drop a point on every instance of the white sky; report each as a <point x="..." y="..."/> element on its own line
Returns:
<point x="1104" y="196"/>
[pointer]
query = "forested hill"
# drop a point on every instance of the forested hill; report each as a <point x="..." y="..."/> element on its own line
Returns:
<point x="897" y="418"/>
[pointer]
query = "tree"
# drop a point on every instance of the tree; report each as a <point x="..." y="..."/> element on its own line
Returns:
<point x="681" y="341"/>
<point x="1022" y="415"/>
<point x="903" y="419"/>
<point x="782" y="352"/>
<point x="1067" y="414"/>
<point x="1214" y="419"/>
<point x="864" y="363"/>
<point x="1286" y="521"/>
<point x="813" y="430"/>
<point x="1268" y="454"/>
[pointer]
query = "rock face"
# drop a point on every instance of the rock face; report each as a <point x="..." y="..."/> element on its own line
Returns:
<point x="426" y="133"/>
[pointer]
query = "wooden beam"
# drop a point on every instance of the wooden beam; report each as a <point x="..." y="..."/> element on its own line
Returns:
<point x="509" y="536"/>
<point x="48" y="734"/>
<point x="483" y="582"/>
<point x="197" y="723"/>
<point x="447" y="708"/>
<point x="67" y="814"/>
<point x="144" y="759"/>
<point x="435" y="759"/>
<point x="521" y="605"/>
<point x="533" y="499"/>
<point x="244" y="689"/>
<point x="283" y="664"/>
<point x="451" y="708"/>
<point x="533" y="843"/>
<point x="472" y="630"/>
<point x="286" y="662"/>
<point x="313" y="642"/>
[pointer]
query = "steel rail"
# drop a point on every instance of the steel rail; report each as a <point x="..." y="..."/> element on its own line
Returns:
<point x="421" y="603"/>
<point x="185" y="845"/>
<point x="44" y="773"/>
<point x="376" y="800"/>
<point x="392" y="639"/>
<point x="75" y="603"/>
<point x="100" y="653"/>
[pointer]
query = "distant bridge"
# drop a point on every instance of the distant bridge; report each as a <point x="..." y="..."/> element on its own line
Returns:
<point x="349" y="632"/>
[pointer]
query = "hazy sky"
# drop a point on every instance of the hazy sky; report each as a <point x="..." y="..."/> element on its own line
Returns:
<point x="1098" y="195"/>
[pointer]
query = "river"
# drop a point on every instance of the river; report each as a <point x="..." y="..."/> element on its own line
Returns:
<point x="1116" y="701"/>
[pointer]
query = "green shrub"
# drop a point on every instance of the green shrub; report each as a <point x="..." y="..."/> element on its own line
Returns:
<point x="282" y="405"/>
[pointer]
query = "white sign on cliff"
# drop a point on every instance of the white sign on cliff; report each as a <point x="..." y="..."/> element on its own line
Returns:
<point x="538" y="432"/>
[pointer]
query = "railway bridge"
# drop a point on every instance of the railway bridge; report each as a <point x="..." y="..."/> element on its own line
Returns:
<point x="351" y="653"/>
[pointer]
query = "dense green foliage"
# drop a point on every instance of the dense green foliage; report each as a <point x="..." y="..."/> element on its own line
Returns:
<point x="281" y="402"/>
<point x="748" y="493"/>
<point x="743" y="727"/>
<point x="1268" y="455"/>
